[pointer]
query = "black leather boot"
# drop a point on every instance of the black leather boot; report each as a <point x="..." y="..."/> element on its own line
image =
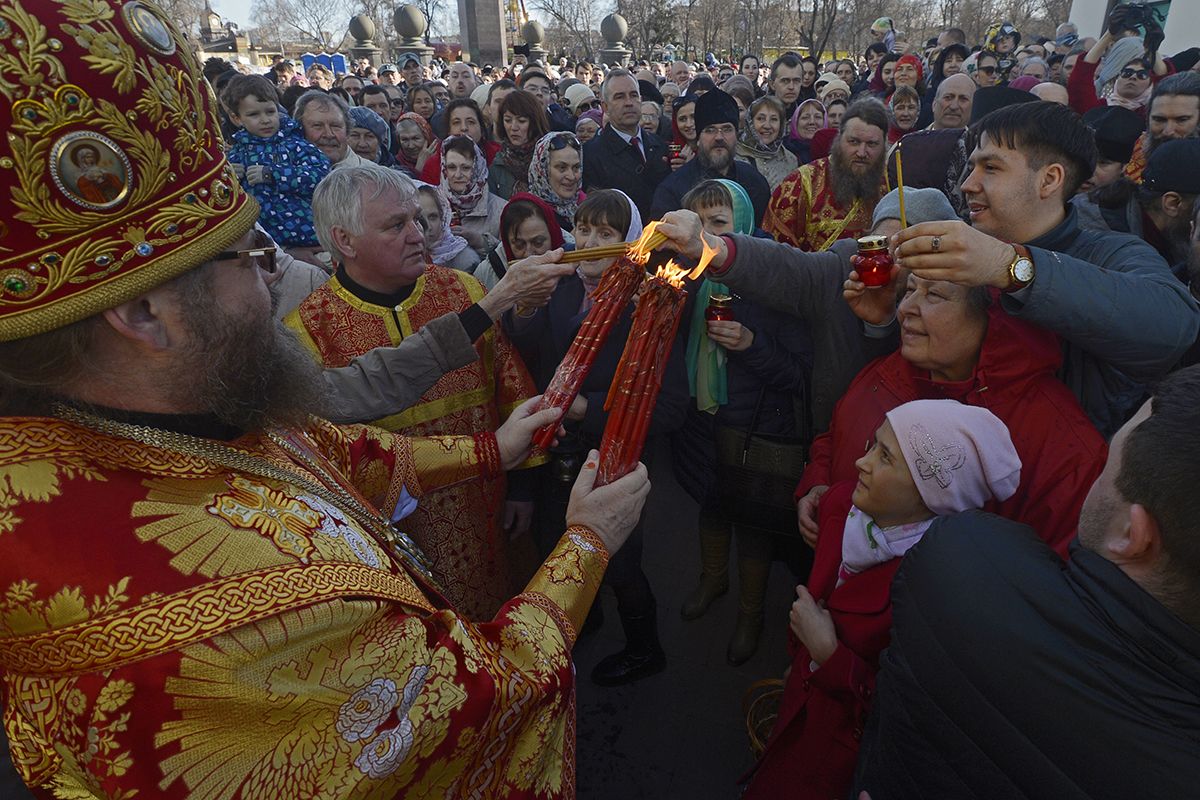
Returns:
<point x="642" y="655"/>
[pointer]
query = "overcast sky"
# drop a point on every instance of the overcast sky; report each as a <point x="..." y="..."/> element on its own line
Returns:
<point x="237" y="11"/>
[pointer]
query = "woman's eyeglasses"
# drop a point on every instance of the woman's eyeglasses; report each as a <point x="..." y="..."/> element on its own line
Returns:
<point x="263" y="249"/>
<point x="588" y="106"/>
<point x="1140" y="74"/>
<point x="988" y="70"/>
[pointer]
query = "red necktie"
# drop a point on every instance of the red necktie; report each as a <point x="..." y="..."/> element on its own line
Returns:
<point x="634" y="143"/>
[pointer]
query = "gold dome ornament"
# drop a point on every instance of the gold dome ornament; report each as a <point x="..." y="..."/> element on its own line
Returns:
<point x="114" y="160"/>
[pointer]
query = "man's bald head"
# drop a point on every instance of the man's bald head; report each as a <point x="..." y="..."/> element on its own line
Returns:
<point x="1051" y="93"/>
<point x="952" y="104"/>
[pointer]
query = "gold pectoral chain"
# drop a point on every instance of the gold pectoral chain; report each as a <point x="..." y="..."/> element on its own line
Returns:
<point x="394" y="541"/>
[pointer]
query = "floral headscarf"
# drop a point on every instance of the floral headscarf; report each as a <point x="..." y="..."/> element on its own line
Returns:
<point x="539" y="173"/>
<point x="750" y="138"/>
<point x="426" y="131"/>
<point x="447" y="245"/>
<point x="795" y="127"/>
<point x="971" y="66"/>
<point x="463" y="204"/>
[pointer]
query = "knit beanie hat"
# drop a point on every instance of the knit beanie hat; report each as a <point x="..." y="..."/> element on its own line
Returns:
<point x="576" y="95"/>
<point x="920" y="205"/>
<point x="960" y="456"/>
<point x="914" y="62"/>
<point x="366" y="118"/>
<point x="593" y="115"/>
<point x="480" y="94"/>
<point x="830" y="86"/>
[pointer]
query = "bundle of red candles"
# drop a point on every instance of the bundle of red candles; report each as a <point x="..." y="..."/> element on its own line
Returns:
<point x="617" y="286"/>
<point x="634" y="391"/>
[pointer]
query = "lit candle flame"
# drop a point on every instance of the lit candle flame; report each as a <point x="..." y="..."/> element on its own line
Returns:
<point x="673" y="274"/>
<point x="706" y="258"/>
<point x="639" y="251"/>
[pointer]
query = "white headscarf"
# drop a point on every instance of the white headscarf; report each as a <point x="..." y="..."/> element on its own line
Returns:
<point x="635" y="218"/>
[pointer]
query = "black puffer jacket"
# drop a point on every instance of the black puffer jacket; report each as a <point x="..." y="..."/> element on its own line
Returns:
<point x="1014" y="675"/>
<point x="780" y="358"/>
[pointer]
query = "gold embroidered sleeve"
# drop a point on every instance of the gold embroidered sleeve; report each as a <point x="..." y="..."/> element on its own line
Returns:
<point x="445" y="460"/>
<point x="570" y="578"/>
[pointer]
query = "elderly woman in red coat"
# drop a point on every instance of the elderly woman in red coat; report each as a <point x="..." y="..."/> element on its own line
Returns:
<point x="956" y="344"/>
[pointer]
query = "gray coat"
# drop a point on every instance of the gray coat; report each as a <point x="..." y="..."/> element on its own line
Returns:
<point x="1124" y="319"/>
<point x="809" y="286"/>
<point x="386" y="380"/>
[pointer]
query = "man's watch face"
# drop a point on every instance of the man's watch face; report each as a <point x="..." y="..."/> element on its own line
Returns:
<point x="1023" y="270"/>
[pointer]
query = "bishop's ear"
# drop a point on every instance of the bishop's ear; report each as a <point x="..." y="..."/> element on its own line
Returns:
<point x="144" y="321"/>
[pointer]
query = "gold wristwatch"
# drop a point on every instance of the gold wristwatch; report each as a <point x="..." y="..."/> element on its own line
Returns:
<point x="1020" y="271"/>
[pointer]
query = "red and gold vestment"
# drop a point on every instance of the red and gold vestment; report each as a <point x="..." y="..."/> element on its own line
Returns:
<point x="173" y="628"/>
<point x="457" y="527"/>
<point x="1137" y="163"/>
<point x="804" y="213"/>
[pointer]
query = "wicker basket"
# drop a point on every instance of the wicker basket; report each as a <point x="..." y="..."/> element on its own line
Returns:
<point x="761" y="706"/>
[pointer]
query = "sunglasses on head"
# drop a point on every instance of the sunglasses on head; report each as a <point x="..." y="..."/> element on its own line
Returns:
<point x="988" y="70"/>
<point x="564" y="140"/>
<point x="262" y="255"/>
<point x="1140" y="74"/>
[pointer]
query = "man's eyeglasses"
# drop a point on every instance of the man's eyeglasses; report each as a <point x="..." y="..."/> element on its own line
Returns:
<point x="262" y="255"/>
<point x="1140" y="74"/>
<point x="988" y="70"/>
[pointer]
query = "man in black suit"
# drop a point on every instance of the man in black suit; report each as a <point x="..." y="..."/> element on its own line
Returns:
<point x="623" y="156"/>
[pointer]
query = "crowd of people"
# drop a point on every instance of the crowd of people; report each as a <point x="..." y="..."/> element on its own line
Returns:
<point x="273" y="521"/>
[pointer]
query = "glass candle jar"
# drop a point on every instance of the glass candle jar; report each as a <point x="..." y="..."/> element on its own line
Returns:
<point x="874" y="264"/>
<point x="719" y="308"/>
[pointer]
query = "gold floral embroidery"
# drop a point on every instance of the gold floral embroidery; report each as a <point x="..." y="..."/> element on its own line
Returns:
<point x="36" y="482"/>
<point x="92" y="737"/>
<point x="22" y="613"/>
<point x="534" y="641"/>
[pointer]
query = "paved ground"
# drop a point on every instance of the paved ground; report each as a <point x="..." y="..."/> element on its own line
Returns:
<point x="680" y="734"/>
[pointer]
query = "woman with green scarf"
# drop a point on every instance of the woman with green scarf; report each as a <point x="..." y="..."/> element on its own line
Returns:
<point x="746" y="373"/>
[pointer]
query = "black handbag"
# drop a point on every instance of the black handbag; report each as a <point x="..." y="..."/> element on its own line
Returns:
<point x="757" y="473"/>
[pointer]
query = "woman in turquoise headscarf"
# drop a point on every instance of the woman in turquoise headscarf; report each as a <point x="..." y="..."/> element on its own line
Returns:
<point x="746" y="373"/>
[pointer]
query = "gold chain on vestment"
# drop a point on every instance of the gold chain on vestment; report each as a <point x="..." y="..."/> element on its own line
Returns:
<point x="373" y="521"/>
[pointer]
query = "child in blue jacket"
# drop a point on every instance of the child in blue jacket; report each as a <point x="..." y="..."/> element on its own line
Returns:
<point x="273" y="160"/>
